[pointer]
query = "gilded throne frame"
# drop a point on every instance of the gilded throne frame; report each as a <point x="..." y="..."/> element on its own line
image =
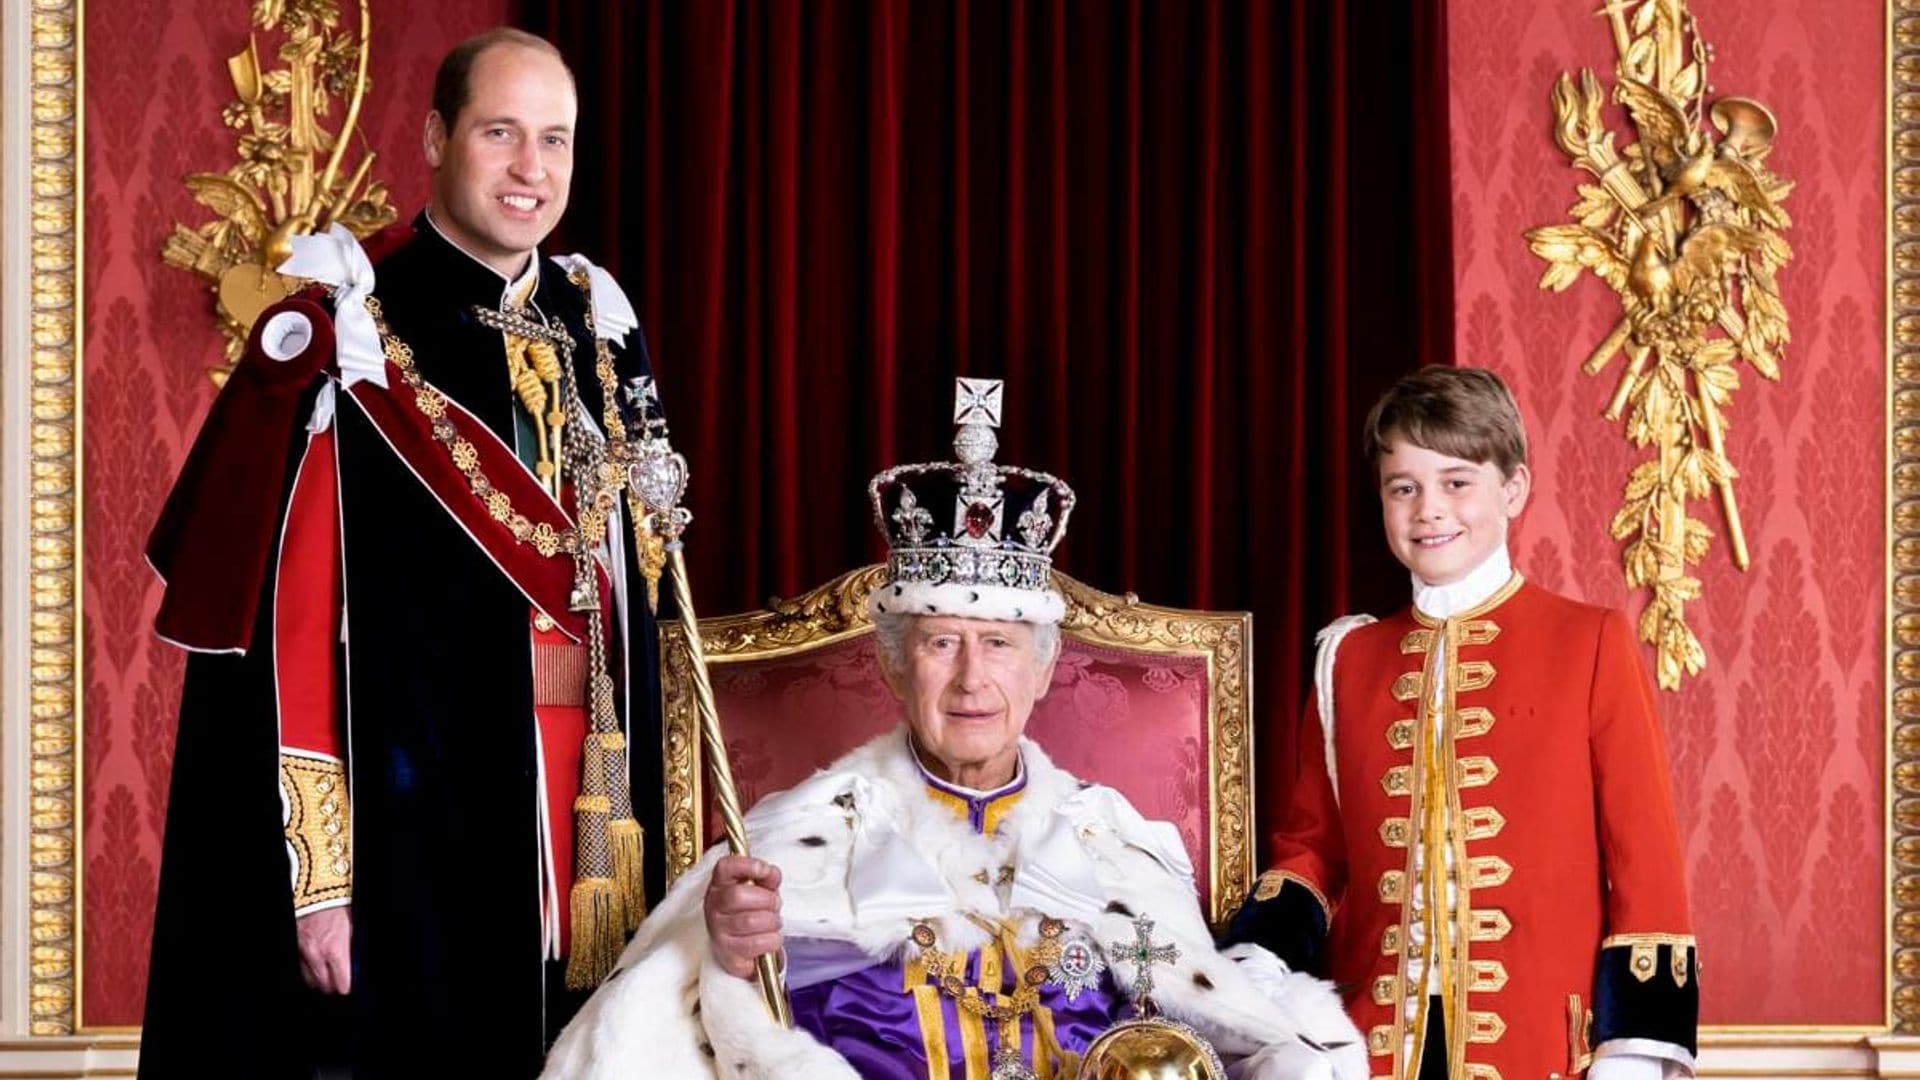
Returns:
<point x="837" y="611"/>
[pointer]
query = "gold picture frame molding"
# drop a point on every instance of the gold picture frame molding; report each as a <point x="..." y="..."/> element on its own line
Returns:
<point x="1902" y="790"/>
<point x="47" y="606"/>
<point x="55" y="183"/>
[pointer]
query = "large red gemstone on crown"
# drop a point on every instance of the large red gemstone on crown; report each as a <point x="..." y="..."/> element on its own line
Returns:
<point x="979" y="520"/>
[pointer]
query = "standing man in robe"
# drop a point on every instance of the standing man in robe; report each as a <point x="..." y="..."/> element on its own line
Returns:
<point x="405" y="834"/>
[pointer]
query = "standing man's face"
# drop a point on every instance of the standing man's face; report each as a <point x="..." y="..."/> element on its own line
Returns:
<point x="502" y="169"/>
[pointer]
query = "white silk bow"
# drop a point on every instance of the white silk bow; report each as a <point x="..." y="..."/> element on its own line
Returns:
<point x="335" y="259"/>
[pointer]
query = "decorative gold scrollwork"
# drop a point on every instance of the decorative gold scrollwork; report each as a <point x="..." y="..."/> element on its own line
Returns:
<point x="1685" y="226"/>
<point x="289" y="179"/>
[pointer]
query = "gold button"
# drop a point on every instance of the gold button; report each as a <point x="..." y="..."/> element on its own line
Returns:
<point x="542" y="622"/>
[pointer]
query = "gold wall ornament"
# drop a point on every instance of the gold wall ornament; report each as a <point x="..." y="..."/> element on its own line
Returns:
<point x="288" y="181"/>
<point x="53" y="523"/>
<point x="1902" y="662"/>
<point x="1685" y="226"/>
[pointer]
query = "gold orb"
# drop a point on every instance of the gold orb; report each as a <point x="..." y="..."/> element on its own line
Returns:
<point x="1151" y="1049"/>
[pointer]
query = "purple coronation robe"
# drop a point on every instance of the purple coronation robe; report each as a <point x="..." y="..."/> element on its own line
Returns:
<point x="891" y="1021"/>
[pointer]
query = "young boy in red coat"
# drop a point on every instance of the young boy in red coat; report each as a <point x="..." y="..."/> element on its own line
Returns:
<point x="1480" y="847"/>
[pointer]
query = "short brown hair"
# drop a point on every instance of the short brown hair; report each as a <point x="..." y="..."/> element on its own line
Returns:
<point x="1461" y="412"/>
<point x="452" y="83"/>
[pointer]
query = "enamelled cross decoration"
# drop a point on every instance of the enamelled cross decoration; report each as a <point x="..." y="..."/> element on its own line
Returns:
<point x="1685" y="226"/>
<point x="1143" y="954"/>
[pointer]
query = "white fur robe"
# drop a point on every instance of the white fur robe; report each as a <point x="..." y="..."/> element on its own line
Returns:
<point x="864" y="853"/>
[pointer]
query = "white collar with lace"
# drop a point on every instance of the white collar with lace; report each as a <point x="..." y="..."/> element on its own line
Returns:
<point x="1446" y="601"/>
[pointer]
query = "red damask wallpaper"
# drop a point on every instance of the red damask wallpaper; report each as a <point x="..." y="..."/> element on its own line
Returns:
<point x="156" y="79"/>
<point x="1777" y="751"/>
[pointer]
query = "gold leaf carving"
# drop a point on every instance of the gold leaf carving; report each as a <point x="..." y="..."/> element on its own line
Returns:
<point x="288" y="180"/>
<point x="1685" y="226"/>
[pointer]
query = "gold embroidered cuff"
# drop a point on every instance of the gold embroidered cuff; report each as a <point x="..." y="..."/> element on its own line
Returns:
<point x="1646" y="986"/>
<point x="1644" y="954"/>
<point x="318" y="829"/>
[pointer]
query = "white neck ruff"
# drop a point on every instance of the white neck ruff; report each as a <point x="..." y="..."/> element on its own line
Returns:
<point x="1446" y="601"/>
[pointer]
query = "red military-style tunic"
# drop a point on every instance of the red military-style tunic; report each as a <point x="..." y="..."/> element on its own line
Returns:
<point x="1520" y="740"/>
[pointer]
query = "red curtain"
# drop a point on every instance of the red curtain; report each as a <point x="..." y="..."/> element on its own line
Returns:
<point x="1196" y="239"/>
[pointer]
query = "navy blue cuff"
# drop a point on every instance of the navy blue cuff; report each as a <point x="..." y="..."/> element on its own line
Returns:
<point x="1647" y="989"/>
<point x="1290" y="924"/>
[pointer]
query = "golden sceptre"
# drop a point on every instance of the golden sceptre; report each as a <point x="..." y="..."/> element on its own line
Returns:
<point x="658" y="478"/>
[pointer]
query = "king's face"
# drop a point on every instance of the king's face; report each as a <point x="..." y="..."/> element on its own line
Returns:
<point x="1445" y="515"/>
<point x="969" y="688"/>
<point x="503" y="166"/>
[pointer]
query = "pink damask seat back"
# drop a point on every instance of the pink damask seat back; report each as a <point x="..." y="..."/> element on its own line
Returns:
<point x="1151" y="701"/>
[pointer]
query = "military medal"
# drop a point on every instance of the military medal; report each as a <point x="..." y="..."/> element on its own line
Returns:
<point x="1078" y="968"/>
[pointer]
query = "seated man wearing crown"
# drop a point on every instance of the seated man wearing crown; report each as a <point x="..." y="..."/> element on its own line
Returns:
<point x="947" y="901"/>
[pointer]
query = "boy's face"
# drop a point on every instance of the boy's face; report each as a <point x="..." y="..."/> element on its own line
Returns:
<point x="1444" y="515"/>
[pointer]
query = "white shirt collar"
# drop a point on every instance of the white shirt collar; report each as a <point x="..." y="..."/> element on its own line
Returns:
<point x="521" y="286"/>
<point x="1446" y="601"/>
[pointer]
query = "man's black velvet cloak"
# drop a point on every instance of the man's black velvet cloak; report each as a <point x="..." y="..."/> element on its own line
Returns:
<point x="448" y="976"/>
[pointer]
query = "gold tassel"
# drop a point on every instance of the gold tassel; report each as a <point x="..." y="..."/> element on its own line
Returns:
<point x="628" y="842"/>
<point x="650" y="549"/>
<point x="597" y="934"/>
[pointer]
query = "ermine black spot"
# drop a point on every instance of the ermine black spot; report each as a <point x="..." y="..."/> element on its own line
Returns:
<point x="1117" y="908"/>
<point x="1200" y="980"/>
<point x="814" y="841"/>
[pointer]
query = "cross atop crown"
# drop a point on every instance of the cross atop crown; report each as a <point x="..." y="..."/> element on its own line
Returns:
<point x="977" y="401"/>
